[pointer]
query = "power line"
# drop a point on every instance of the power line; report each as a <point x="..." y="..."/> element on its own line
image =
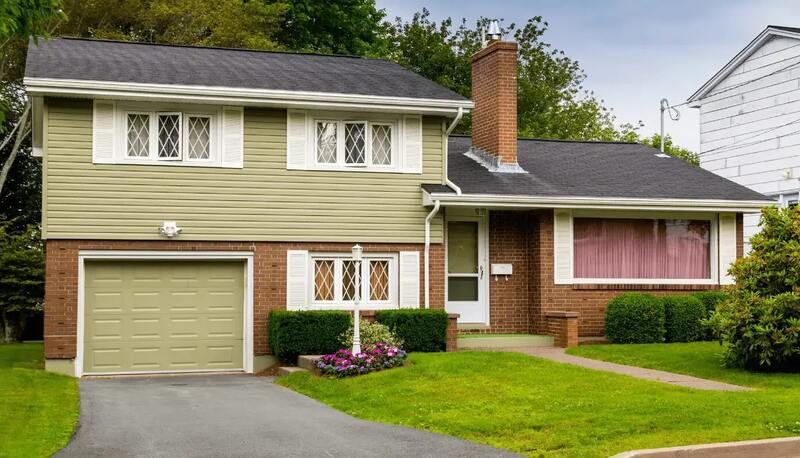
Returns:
<point x="738" y="85"/>
<point x="738" y="144"/>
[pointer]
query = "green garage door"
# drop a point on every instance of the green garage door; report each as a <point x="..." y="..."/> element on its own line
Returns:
<point x="161" y="316"/>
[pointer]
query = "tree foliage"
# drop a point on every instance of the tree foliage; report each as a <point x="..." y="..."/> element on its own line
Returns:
<point x="760" y="323"/>
<point x="672" y="149"/>
<point x="21" y="279"/>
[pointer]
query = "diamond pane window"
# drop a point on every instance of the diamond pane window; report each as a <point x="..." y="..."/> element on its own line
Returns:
<point x="323" y="280"/>
<point x="349" y="269"/>
<point x="381" y="144"/>
<point x="326" y="142"/>
<point x="198" y="137"/>
<point x="379" y="280"/>
<point x="169" y="136"/>
<point x="355" y="143"/>
<point x="138" y="135"/>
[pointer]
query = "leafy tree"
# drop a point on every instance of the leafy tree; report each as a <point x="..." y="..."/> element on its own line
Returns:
<point x="338" y="27"/>
<point x="672" y="149"/>
<point x="21" y="280"/>
<point x="760" y="322"/>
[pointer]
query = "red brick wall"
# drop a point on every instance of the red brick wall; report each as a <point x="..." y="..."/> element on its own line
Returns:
<point x="269" y="288"/>
<point x="494" y="91"/>
<point x="525" y="239"/>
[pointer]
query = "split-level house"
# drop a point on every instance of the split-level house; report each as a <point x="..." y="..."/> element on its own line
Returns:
<point x="750" y="119"/>
<point x="190" y="191"/>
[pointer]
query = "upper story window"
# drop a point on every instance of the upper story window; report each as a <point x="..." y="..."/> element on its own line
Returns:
<point x="354" y="142"/>
<point x="167" y="134"/>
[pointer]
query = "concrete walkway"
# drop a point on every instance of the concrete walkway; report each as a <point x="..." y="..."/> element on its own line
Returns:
<point x="558" y="355"/>
<point x="236" y="416"/>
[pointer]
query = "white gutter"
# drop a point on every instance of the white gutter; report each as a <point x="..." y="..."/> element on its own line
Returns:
<point x="238" y="96"/>
<point x="449" y="131"/>
<point x="427" y="251"/>
<point x="513" y="201"/>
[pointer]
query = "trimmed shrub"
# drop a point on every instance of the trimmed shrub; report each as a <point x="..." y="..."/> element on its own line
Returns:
<point x="683" y="317"/>
<point x="371" y="333"/>
<point x="710" y="299"/>
<point x="635" y="318"/>
<point x="420" y="329"/>
<point x="306" y="332"/>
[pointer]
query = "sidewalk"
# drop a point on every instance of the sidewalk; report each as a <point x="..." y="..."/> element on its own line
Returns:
<point x="558" y="354"/>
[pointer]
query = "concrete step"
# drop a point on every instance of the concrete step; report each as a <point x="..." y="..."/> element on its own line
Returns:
<point x="308" y="362"/>
<point x="492" y="341"/>
<point x="286" y="370"/>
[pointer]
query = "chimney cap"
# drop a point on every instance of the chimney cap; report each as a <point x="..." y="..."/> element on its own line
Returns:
<point x="494" y="30"/>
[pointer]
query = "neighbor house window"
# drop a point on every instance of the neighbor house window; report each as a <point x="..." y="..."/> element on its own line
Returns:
<point x="169" y="136"/>
<point x="354" y="143"/>
<point x="335" y="280"/>
<point x="622" y="248"/>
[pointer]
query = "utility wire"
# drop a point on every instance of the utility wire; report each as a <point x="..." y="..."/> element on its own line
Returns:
<point x="738" y="144"/>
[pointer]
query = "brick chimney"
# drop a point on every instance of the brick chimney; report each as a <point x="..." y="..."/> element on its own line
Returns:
<point x="494" y="91"/>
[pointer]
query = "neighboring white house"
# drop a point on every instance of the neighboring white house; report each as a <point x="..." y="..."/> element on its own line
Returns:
<point x="750" y="119"/>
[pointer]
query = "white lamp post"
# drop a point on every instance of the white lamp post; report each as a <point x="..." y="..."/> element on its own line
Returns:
<point x="357" y="251"/>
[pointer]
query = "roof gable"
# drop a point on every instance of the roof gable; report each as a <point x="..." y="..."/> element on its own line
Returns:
<point x="767" y="35"/>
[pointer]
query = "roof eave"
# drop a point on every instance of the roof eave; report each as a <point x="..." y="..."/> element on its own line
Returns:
<point x="242" y="96"/>
<point x="723" y="73"/>
<point x="595" y="203"/>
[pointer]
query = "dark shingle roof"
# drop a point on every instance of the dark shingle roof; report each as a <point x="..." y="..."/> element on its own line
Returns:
<point x="116" y="61"/>
<point x="591" y="169"/>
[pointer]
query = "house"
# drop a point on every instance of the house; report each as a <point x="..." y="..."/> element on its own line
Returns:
<point x="189" y="191"/>
<point x="750" y="119"/>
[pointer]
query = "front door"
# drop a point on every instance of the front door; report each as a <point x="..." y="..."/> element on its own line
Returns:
<point x="466" y="268"/>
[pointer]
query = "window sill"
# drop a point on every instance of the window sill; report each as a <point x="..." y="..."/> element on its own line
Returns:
<point x="172" y="164"/>
<point x="363" y="307"/>
<point x="652" y="286"/>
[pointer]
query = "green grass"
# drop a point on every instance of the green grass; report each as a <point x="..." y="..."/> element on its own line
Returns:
<point x="541" y="408"/>
<point x="38" y="409"/>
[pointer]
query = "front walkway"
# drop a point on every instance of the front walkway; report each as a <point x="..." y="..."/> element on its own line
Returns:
<point x="236" y="415"/>
<point x="558" y="355"/>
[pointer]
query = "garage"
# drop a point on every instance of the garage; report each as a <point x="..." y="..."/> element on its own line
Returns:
<point x="163" y="316"/>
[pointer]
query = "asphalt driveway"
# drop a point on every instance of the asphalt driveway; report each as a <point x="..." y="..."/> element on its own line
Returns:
<point x="235" y="415"/>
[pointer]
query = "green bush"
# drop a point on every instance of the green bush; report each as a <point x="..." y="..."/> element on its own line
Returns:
<point x="635" y="318"/>
<point x="420" y="329"/>
<point x="683" y="316"/>
<point x="760" y="322"/>
<point x="370" y="334"/>
<point x="306" y="332"/>
<point x="710" y="299"/>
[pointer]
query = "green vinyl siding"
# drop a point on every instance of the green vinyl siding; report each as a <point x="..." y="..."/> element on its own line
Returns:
<point x="262" y="201"/>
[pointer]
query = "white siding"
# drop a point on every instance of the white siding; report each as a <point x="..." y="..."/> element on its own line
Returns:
<point x="750" y="130"/>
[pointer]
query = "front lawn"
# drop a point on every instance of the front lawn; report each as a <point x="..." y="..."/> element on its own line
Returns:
<point x="538" y="407"/>
<point x="38" y="409"/>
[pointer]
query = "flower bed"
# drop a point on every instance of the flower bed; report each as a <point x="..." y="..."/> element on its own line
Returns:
<point x="344" y="363"/>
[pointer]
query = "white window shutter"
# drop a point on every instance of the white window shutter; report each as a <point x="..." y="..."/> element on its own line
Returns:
<point x="297" y="279"/>
<point x="409" y="279"/>
<point x="103" y="132"/>
<point x="727" y="246"/>
<point x="296" y="139"/>
<point x="412" y="144"/>
<point x="562" y="246"/>
<point x="233" y="137"/>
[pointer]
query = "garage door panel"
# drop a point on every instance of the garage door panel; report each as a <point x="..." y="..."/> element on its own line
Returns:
<point x="163" y="315"/>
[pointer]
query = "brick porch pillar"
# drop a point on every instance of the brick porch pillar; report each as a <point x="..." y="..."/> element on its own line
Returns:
<point x="563" y="326"/>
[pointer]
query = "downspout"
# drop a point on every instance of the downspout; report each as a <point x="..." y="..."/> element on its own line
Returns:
<point x="436" y="204"/>
<point x="450" y="129"/>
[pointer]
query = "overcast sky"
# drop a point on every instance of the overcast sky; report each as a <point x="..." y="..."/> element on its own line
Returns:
<point x="634" y="52"/>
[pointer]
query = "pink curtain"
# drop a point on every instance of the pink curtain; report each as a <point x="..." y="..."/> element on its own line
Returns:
<point x="641" y="248"/>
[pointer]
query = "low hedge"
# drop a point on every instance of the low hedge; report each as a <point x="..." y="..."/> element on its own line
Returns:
<point x="635" y="318"/>
<point x="683" y="317"/>
<point x="420" y="329"/>
<point x="710" y="299"/>
<point x="306" y="332"/>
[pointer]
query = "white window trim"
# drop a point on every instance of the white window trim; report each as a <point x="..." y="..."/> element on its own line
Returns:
<point x="341" y="119"/>
<point x="337" y="303"/>
<point x="213" y="113"/>
<point x="181" y="135"/>
<point x="713" y="248"/>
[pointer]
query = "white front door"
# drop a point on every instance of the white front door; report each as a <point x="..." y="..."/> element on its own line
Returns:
<point x="467" y="257"/>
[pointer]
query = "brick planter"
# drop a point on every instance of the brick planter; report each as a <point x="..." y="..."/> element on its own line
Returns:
<point x="563" y="326"/>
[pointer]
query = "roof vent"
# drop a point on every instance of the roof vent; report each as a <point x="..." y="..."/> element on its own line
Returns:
<point x="662" y="155"/>
<point x="494" y="30"/>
